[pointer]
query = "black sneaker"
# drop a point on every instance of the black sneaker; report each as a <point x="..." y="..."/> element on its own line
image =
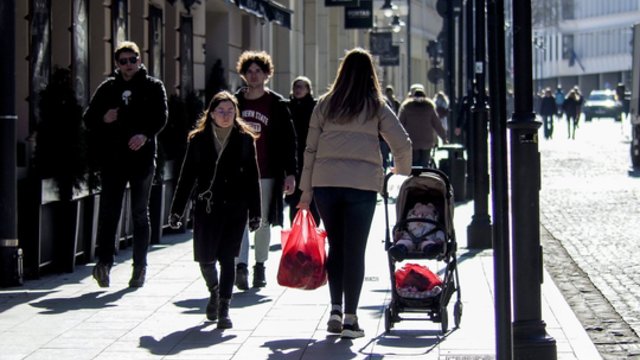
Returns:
<point x="101" y="274"/>
<point x="137" y="276"/>
<point x="334" y="325"/>
<point x="242" y="277"/>
<point x="351" y="331"/>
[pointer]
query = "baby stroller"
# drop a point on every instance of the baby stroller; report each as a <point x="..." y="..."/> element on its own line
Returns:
<point x="432" y="186"/>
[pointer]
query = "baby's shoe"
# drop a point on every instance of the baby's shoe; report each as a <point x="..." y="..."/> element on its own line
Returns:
<point x="398" y="252"/>
<point x="432" y="250"/>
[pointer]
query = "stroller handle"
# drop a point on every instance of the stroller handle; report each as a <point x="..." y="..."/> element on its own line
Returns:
<point x="417" y="171"/>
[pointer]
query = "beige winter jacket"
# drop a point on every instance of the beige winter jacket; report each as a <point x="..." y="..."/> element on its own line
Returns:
<point x="348" y="155"/>
<point x="419" y="118"/>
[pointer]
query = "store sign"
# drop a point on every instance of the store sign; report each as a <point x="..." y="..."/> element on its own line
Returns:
<point x="330" y="3"/>
<point x="251" y="6"/>
<point x="359" y="17"/>
<point x="380" y="43"/>
<point x="277" y="13"/>
<point x="392" y="58"/>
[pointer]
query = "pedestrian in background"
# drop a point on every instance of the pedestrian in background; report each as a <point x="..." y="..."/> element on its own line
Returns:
<point x="301" y="104"/>
<point x="391" y="99"/>
<point x="221" y="164"/>
<point x="442" y="109"/>
<point x="394" y="104"/>
<point x="419" y="117"/>
<point x="125" y="115"/>
<point x="559" y="98"/>
<point x="267" y="112"/>
<point x="343" y="173"/>
<point x="548" y="110"/>
<point x="572" y="108"/>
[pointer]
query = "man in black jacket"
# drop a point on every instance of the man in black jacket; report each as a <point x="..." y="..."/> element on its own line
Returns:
<point x="125" y="115"/>
<point x="267" y="112"/>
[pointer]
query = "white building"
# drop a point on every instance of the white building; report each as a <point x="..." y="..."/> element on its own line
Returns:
<point x="583" y="42"/>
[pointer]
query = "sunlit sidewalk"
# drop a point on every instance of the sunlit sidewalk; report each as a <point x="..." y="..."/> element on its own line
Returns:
<point x="69" y="317"/>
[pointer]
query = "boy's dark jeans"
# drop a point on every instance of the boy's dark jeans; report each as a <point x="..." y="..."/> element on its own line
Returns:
<point x="114" y="183"/>
<point x="347" y="214"/>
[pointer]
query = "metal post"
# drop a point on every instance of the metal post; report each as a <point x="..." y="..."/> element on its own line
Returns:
<point x="449" y="59"/>
<point x="10" y="254"/>
<point x="469" y="97"/>
<point x="459" y="70"/>
<point x="530" y="339"/>
<point x="479" y="231"/>
<point x="409" y="80"/>
<point x="499" y="182"/>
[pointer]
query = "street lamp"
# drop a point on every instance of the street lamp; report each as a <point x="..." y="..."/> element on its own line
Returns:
<point x="388" y="8"/>
<point x="397" y="24"/>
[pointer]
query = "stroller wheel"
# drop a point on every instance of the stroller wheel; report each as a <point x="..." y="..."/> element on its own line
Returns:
<point x="388" y="321"/>
<point x="457" y="313"/>
<point x="444" y="319"/>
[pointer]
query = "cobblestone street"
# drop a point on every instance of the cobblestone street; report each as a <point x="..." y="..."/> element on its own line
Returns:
<point x="589" y="211"/>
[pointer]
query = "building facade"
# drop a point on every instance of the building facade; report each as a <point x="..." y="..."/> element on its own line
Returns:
<point x="587" y="43"/>
<point x="192" y="46"/>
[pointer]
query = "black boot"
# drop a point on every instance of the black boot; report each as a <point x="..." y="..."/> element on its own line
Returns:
<point x="242" y="276"/>
<point x="137" y="276"/>
<point x="210" y="276"/>
<point x="212" y="305"/>
<point x="224" y="321"/>
<point x="259" y="279"/>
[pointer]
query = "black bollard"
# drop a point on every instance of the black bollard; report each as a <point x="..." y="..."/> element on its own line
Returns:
<point x="530" y="339"/>
<point x="479" y="231"/>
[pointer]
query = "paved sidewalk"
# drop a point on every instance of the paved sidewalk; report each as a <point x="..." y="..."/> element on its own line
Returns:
<point x="68" y="316"/>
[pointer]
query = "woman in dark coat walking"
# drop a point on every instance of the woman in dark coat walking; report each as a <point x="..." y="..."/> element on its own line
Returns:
<point x="301" y="104"/>
<point x="221" y="164"/>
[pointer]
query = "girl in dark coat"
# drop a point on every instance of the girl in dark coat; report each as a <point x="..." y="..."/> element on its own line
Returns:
<point x="221" y="164"/>
<point x="301" y="104"/>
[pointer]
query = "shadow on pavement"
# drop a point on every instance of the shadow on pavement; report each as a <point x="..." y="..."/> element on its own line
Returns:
<point x="196" y="337"/>
<point x="249" y="298"/>
<point x="424" y="340"/>
<point x="91" y="300"/>
<point x="295" y="348"/>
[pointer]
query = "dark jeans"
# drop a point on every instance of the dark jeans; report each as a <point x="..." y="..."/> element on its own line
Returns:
<point x="114" y="184"/>
<point x="422" y="157"/>
<point x="347" y="215"/>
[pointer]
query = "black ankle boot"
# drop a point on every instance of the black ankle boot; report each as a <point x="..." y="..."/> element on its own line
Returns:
<point x="259" y="279"/>
<point x="242" y="276"/>
<point x="224" y="321"/>
<point x="212" y="305"/>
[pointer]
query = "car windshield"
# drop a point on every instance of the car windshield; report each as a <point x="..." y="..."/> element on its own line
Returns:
<point x="600" y="97"/>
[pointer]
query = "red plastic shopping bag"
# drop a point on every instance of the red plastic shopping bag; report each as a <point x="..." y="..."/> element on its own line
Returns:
<point x="302" y="264"/>
<point x="418" y="277"/>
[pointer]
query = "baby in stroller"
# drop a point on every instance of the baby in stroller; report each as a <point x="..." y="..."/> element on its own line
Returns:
<point x="420" y="233"/>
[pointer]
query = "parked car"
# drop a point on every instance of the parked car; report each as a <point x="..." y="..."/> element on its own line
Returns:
<point x="601" y="104"/>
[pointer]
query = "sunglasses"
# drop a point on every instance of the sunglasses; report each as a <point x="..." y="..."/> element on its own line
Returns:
<point x="131" y="60"/>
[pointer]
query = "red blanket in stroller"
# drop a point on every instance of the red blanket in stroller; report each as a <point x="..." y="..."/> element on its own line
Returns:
<point x="414" y="280"/>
